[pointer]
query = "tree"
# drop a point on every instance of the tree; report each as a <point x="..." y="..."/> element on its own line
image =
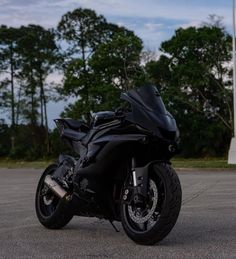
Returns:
<point x="8" y="67"/>
<point x="38" y="52"/>
<point x="196" y="80"/>
<point x="117" y="61"/>
<point x="101" y="59"/>
<point x="82" y="31"/>
<point x="38" y="55"/>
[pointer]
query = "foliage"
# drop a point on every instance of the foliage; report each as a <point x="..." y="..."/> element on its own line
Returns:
<point x="206" y="163"/>
<point x="82" y="30"/>
<point x="8" y="68"/>
<point x="28" y="142"/>
<point x="194" y="77"/>
<point x="5" y="139"/>
<point x="28" y="55"/>
<point x="38" y="55"/>
<point x="117" y="61"/>
<point x="101" y="60"/>
<point x="98" y="60"/>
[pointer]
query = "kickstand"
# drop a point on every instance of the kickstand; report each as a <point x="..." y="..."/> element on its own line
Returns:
<point x="113" y="225"/>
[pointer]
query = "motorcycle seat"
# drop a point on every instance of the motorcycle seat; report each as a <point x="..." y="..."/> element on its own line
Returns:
<point x="72" y="134"/>
<point x="75" y="124"/>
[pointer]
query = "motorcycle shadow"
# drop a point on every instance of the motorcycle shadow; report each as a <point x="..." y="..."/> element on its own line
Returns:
<point x="190" y="231"/>
<point x="201" y="230"/>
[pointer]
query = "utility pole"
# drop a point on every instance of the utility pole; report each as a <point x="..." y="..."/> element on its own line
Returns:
<point x="232" y="150"/>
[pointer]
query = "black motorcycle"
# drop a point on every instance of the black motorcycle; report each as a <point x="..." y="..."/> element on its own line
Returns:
<point x="123" y="172"/>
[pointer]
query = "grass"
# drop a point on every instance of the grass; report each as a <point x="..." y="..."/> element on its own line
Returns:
<point x="209" y="163"/>
<point x="9" y="163"/>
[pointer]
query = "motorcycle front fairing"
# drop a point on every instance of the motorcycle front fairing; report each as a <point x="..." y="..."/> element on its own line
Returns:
<point x="148" y="111"/>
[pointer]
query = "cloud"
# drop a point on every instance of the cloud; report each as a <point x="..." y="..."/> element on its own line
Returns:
<point x="190" y="24"/>
<point x="120" y="24"/>
<point x="154" y="26"/>
<point x="50" y="10"/>
<point x="186" y="25"/>
<point x="152" y="9"/>
<point x="150" y="19"/>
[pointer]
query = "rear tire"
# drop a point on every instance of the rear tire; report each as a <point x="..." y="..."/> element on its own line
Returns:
<point x="52" y="213"/>
<point x="154" y="220"/>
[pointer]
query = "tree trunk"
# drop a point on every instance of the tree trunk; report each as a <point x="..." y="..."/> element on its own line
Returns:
<point x="46" y="122"/>
<point x="44" y="109"/>
<point x="41" y="99"/>
<point x="12" y="100"/>
<point x="86" y="85"/>
<point x="12" y="87"/>
<point x="32" y="91"/>
<point x="18" y="106"/>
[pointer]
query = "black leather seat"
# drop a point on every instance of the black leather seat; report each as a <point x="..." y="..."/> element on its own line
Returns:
<point x="76" y="124"/>
<point x="72" y="134"/>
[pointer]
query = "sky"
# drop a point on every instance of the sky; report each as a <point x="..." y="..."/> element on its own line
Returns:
<point x="154" y="21"/>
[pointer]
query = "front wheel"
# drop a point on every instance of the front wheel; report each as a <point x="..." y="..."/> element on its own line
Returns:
<point x="51" y="211"/>
<point x="149" y="221"/>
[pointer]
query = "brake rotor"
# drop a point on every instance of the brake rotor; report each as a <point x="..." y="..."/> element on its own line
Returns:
<point x="47" y="199"/>
<point x="139" y="215"/>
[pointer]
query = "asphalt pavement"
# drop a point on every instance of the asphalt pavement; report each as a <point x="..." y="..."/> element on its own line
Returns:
<point x="206" y="227"/>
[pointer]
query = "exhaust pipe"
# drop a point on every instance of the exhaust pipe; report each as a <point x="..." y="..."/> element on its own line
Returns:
<point x="55" y="187"/>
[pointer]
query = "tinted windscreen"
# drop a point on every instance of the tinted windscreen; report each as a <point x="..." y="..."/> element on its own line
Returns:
<point x="148" y="97"/>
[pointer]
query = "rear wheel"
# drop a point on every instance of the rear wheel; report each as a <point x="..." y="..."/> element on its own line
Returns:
<point x="50" y="210"/>
<point x="148" y="221"/>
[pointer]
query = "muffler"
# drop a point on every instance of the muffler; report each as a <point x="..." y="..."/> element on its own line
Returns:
<point x="55" y="187"/>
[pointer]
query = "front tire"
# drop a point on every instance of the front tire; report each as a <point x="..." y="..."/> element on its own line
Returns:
<point x="150" y="222"/>
<point x="52" y="213"/>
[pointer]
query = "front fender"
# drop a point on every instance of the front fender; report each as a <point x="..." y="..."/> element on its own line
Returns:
<point x="142" y="176"/>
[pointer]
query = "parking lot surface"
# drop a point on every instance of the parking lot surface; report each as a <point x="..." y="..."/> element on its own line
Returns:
<point x="206" y="227"/>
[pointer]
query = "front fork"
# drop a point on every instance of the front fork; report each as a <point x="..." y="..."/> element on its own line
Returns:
<point x="139" y="188"/>
<point x="134" y="178"/>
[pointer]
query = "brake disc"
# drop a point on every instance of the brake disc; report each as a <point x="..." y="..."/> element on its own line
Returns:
<point x="137" y="215"/>
<point x="47" y="199"/>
